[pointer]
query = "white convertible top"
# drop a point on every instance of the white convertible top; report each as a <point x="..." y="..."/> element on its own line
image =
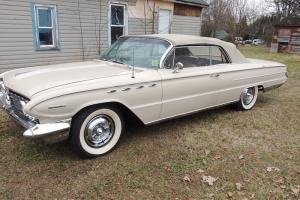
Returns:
<point x="178" y="40"/>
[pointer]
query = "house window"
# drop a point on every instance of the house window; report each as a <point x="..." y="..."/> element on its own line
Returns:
<point x="118" y="21"/>
<point x="45" y="27"/>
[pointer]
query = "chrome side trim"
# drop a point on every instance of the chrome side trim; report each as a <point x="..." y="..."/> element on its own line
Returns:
<point x="260" y="76"/>
<point x="57" y="106"/>
<point x="189" y="113"/>
<point x="140" y="87"/>
<point x="126" y="89"/>
<point x="112" y="91"/>
<point x="153" y="85"/>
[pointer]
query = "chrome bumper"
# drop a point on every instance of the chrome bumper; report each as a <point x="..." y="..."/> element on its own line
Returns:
<point x="41" y="130"/>
<point x="33" y="128"/>
<point x="38" y="130"/>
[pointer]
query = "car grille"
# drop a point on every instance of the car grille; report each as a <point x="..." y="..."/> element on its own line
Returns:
<point x="16" y="106"/>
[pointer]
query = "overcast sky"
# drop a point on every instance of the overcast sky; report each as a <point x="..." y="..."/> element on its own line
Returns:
<point x="261" y="5"/>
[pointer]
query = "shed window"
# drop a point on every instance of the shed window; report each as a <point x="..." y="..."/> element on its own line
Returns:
<point x="45" y="30"/>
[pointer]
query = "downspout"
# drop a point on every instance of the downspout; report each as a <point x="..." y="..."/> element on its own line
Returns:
<point x="81" y="32"/>
<point x="201" y="18"/>
<point x="145" y="18"/>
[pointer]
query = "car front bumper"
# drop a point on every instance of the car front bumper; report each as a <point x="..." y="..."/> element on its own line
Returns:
<point x="33" y="128"/>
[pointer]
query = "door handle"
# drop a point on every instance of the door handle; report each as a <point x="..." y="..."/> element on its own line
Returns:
<point x="215" y="75"/>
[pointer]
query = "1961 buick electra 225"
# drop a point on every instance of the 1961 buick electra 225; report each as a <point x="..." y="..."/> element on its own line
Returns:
<point x="153" y="77"/>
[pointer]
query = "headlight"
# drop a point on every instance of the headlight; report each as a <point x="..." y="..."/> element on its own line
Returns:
<point x="23" y="103"/>
<point x="2" y="88"/>
<point x="4" y="94"/>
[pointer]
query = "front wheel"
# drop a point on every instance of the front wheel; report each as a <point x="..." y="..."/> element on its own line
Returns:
<point x="96" y="131"/>
<point x="248" y="98"/>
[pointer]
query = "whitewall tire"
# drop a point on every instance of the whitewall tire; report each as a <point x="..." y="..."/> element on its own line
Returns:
<point x="248" y="98"/>
<point x="96" y="131"/>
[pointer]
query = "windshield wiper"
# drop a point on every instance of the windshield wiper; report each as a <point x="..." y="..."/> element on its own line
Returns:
<point x="115" y="61"/>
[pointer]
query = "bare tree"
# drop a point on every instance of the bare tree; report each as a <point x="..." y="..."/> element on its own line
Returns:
<point x="230" y="15"/>
<point x="286" y="8"/>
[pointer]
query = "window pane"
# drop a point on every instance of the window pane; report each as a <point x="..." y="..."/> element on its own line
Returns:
<point x="116" y="32"/>
<point x="216" y="56"/>
<point x="192" y="56"/>
<point x="142" y="52"/>
<point x="45" y="36"/>
<point x="45" y="18"/>
<point x="169" y="61"/>
<point x="117" y="15"/>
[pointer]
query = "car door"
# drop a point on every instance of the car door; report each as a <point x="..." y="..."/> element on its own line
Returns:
<point x="193" y="88"/>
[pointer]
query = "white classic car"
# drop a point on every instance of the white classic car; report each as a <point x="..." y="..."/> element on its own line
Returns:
<point x="154" y="77"/>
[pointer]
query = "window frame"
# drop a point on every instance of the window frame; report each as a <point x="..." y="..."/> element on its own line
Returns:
<point x="222" y="50"/>
<point x="36" y="27"/>
<point x="125" y="26"/>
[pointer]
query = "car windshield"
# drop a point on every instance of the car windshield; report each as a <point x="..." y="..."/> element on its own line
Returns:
<point x="137" y="51"/>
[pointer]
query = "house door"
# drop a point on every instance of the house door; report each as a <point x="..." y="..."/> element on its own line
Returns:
<point x="118" y="22"/>
<point x="164" y="21"/>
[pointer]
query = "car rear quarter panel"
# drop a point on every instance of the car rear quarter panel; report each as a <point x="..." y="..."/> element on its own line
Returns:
<point x="236" y="77"/>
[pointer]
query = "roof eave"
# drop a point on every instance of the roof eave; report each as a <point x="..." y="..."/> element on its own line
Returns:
<point x="190" y="3"/>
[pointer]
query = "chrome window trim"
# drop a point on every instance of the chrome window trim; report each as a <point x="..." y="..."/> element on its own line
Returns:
<point x="165" y="55"/>
<point x="169" y="51"/>
<point x="161" y="62"/>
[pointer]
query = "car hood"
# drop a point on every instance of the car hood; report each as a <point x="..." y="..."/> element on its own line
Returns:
<point x="29" y="81"/>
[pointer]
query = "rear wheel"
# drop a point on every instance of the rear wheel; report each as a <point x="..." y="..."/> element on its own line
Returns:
<point x="96" y="131"/>
<point x="248" y="98"/>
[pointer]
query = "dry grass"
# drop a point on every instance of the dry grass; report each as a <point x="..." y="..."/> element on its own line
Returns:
<point x="151" y="161"/>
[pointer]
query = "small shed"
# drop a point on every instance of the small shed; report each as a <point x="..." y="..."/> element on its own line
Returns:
<point x="286" y="38"/>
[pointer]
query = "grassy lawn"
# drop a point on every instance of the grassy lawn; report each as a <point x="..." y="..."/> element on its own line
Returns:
<point x="259" y="149"/>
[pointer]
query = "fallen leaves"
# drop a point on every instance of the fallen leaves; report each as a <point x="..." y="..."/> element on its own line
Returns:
<point x="296" y="190"/>
<point x="280" y="183"/>
<point x="229" y="195"/>
<point x="238" y="186"/>
<point x="209" y="180"/>
<point x="186" y="178"/>
<point x="207" y="152"/>
<point x="270" y="169"/>
<point x="241" y="157"/>
<point x="200" y="171"/>
<point x="217" y="157"/>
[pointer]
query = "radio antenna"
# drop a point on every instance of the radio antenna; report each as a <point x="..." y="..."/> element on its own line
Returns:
<point x="133" y="75"/>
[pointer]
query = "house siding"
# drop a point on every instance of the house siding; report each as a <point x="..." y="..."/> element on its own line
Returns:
<point x="83" y="31"/>
<point x="16" y="35"/>
<point x="186" y="25"/>
<point x="136" y="26"/>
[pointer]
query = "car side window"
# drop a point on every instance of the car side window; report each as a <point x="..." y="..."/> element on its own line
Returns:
<point x="217" y="56"/>
<point x="196" y="56"/>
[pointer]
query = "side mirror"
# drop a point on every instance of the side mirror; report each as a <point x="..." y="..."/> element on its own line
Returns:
<point x="178" y="67"/>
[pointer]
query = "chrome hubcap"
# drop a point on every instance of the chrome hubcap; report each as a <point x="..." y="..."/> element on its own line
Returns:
<point x="99" y="131"/>
<point x="248" y="96"/>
